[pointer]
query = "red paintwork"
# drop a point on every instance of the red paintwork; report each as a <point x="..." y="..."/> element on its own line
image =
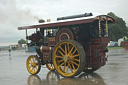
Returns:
<point x="125" y="44"/>
<point x="96" y="57"/>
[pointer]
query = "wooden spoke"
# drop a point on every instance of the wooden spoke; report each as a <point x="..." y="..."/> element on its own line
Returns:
<point x="60" y="61"/>
<point x="33" y="69"/>
<point x="75" y="63"/>
<point x="30" y="62"/>
<point x="36" y="67"/>
<point x="65" y="50"/>
<point x="71" y="68"/>
<point x="74" y="51"/>
<point x="61" y="53"/>
<point x="62" y="64"/>
<point x="77" y="60"/>
<point x="58" y="56"/>
<point x="34" y="60"/>
<point x="67" y="68"/>
<point x="75" y="55"/>
<point x="68" y="47"/>
<point x="70" y="51"/>
<point x="61" y="49"/>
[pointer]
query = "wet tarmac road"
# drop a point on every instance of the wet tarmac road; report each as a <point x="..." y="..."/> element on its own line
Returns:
<point x="13" y="71"/>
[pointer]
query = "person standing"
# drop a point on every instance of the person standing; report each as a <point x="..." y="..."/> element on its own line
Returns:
<point x="9" y="50"/>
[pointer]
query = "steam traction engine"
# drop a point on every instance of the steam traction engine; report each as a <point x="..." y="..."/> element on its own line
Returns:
<point x="70" y="45"/>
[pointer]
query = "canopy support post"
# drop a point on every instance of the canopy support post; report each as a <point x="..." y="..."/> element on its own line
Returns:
<point x="107" y="28"/>
<point x="99" y="29"/>
<point x="26" y="41"/>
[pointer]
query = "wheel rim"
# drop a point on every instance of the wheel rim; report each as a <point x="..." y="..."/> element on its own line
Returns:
<point x="50" y="66"/>
<point x="33" y="65"/>
<point x="66" y="58"/>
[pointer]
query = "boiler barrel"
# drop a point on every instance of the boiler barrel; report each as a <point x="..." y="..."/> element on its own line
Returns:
<point x="75" y="16"/>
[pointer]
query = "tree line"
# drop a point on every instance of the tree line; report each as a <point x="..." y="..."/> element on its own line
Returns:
<point x="118" y="29"/>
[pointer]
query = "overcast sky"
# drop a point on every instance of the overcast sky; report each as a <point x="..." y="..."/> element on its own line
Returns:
<point x="15" y="13"/>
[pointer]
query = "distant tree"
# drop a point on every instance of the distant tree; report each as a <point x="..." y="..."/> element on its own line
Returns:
<point x="118" y="29"/>
<point x="22" y="41"/>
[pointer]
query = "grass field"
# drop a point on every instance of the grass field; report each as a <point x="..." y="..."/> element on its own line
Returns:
<point x="110" y="48"/>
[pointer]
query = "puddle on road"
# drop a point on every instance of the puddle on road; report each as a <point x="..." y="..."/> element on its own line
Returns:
<point x="53" y="78"/>
<point x="125" y="57"/>
<point x="113" y="64"/>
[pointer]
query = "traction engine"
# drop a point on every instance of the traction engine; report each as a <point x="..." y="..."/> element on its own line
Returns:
<point x="70" y="45"/>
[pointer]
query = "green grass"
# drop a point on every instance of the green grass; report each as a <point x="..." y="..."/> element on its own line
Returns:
<point x="110" y="48"/>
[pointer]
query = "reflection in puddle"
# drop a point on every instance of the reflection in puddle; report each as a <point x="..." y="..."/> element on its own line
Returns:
<point x="53" y="78"/>
<point x="83" y="79"/>
<point x="34" y="80"/>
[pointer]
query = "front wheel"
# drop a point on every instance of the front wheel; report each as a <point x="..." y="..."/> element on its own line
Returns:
<point x="33" y="64"/>
<point x="68" y="58"/>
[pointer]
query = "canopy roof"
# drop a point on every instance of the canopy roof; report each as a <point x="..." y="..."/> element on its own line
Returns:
<point x="89" y="19"/>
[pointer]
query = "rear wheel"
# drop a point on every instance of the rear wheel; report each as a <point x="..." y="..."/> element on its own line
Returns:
<point x="33" y="64"/>
<point x="68" y="58"/>
<point x="50" y="66"/>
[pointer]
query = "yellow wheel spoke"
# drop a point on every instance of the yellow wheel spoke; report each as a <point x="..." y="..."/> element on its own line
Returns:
<point x="65" y="50"/>
<point x="70" y="50"/>
<point x="68" y="47"/>
<point x="58" y="56"/>
<point x="77" y="60"/>
<point x="31" y="60"/>
<point x="71" y="68"/>
<point x="61" y="64"/>
<point x="64" y="66"/>
<point x="67" y="68"/>
<point x="60" y="61"/>
<point x="61" y="53"/>
<point x="61" y="49"/>
<point x="30" y="63"/>
<point x="74" y="51"/>
<point x="75" y="63"/>
<point x="34" y="60"/>
<point x="32" y="69"/>
<point x="36" y="67"/>
<point x="75" y="55"/>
